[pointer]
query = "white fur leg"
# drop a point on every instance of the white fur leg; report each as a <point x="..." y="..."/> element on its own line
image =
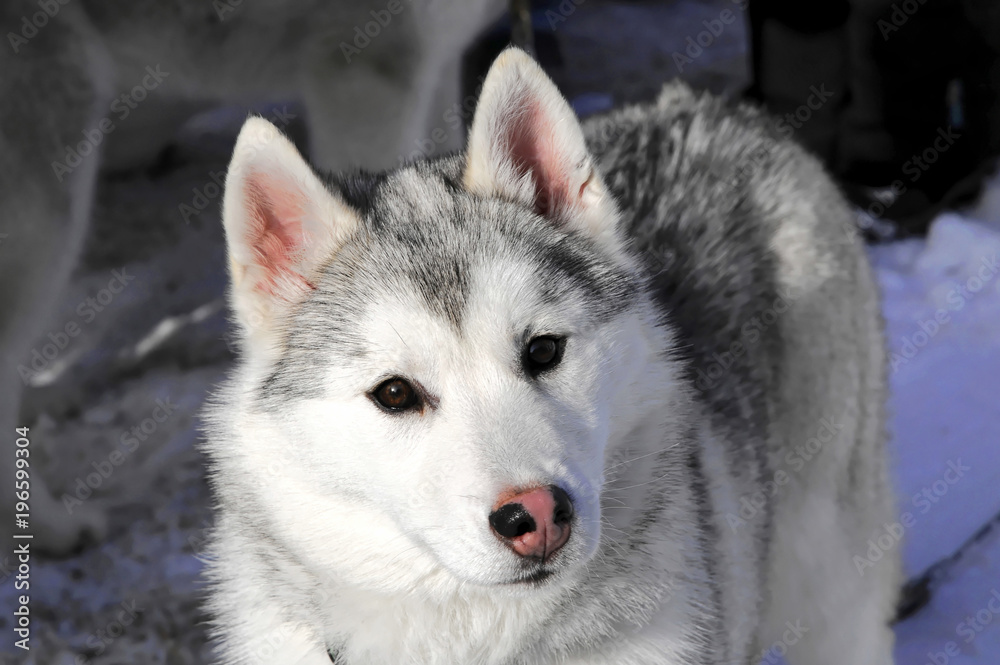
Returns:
<point x="389" y="101"/>
<point x="822" y="611"/>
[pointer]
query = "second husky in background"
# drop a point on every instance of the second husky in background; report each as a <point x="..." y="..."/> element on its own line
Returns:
<point x="609" y="393"/>
<point x="101" y="81"/>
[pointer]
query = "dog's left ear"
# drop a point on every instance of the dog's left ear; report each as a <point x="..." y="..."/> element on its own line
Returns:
<point x="527" y="144"/>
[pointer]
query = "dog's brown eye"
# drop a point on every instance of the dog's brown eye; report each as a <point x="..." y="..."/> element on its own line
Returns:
<point x="395" y="395"/>
<point x="542" y="353"/>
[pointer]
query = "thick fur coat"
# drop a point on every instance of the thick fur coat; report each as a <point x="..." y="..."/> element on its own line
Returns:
<point x="716" y="414"/>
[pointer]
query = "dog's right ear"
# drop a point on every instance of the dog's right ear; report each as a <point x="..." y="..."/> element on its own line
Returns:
<point x="282" y="225"/>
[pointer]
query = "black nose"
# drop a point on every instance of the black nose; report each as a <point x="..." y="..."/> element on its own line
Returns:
<point x="564" y="507"/>
<point x="512" y="520"/>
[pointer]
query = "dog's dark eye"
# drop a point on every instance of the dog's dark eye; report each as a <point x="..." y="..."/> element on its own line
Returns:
<point x="395" y="395"/>
<point x="542" y="353"/>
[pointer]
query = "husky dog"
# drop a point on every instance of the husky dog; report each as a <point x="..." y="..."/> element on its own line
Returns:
<point x="608" y="393"/>
<point x="92" y="81"/>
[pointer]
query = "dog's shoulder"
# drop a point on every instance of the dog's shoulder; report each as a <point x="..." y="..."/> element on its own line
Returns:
<point x="731" y="216"/>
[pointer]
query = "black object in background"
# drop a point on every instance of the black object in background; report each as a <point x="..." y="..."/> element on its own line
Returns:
<point x="910" y="117"/>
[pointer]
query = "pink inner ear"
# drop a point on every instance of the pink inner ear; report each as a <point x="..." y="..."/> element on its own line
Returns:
<point x="274" y="231"/>
<point x="531" y="145"/>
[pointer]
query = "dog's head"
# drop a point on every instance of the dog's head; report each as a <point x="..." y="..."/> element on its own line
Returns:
<point x="440" y="358"/>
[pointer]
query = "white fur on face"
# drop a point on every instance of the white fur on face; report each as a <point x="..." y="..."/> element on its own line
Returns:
<point x="425" y="482"/>
<point x="416" y="489"/>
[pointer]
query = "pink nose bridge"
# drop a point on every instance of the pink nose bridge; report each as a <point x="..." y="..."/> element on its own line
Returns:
<point x="534" y="523"/>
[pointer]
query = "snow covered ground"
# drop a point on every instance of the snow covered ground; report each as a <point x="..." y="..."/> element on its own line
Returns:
<point x="942" y="309"/>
